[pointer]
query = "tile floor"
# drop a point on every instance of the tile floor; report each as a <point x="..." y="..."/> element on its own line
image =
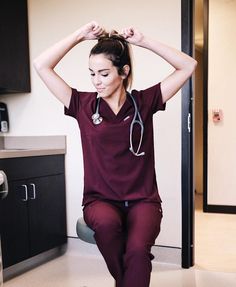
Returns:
<point x="215" y="240"/>
<point x="82" y="271"/>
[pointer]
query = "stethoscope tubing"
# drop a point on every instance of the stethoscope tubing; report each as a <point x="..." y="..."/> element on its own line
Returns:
<point x="97" y="119"/>
<point x="140" y="123"/>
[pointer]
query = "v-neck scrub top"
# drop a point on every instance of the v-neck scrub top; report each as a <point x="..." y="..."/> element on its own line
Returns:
<point x="111" y="171"/>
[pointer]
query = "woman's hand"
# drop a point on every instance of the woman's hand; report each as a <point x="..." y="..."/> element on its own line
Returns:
<point x="133" y="36"/>
<point x="90" y="31"/>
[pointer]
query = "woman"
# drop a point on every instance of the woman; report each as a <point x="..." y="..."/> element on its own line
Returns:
<point x="121" y="200"/>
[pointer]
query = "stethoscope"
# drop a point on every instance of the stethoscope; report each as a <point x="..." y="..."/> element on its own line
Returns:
<point x="97" y="119"/>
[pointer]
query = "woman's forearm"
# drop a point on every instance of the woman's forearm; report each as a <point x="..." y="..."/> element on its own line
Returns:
<point x="183" y="64"/>
<point x="176" y="58"/>
<point x="52" y="56"/>
<point x="46" y="62"/>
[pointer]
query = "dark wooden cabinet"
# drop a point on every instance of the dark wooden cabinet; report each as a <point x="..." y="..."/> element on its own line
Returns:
<point x="33" y="215"/>
<point x="47" y="214"/>
<point x="14" y="48"/>
<point x="14" y="227"/>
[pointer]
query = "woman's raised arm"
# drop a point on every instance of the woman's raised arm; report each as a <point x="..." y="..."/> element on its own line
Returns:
<point x="46" y="62"/>
<point x="184" y="65"/>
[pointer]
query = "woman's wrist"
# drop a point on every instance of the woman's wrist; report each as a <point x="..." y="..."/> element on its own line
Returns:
<point x="144" y="42"/>
<point x="78" y="36"/>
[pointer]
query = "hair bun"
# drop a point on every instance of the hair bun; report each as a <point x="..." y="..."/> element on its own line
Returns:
<point x="112" y="35"/>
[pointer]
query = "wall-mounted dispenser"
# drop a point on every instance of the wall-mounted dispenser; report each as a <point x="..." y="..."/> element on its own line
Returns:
<point x="4" y="119"/>
<point x="217" y="115"/>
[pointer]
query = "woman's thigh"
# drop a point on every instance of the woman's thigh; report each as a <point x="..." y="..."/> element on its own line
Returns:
<point x="102" y="215"/>
<point x="143" y="224"/>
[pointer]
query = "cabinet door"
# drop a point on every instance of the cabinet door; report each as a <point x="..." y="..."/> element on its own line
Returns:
<point x="14" y="224"/>
<point x="14" y="48"/>
<point x="47" y="213"/>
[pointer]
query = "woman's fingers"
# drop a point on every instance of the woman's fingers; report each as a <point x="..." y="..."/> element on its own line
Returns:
<point x="127" y="32"/>
<point x="92" y="30"/>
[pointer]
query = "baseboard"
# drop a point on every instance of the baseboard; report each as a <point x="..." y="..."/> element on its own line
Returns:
<point x="166" y="254"/>
<point x="227" y="209"/>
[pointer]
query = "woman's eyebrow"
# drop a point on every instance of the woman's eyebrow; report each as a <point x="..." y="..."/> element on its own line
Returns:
<point x="102" y="70"/>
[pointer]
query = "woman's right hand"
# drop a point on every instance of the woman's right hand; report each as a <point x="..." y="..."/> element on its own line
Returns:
<point x="90" y="31"/>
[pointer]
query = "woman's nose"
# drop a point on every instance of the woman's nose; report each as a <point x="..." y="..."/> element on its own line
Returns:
<point x="97" y="80"/>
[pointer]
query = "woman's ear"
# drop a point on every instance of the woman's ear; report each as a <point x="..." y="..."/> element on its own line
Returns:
<point x="126" y="70"/>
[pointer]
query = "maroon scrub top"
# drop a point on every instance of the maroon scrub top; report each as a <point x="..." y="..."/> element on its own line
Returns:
<point x="111" y="171"/>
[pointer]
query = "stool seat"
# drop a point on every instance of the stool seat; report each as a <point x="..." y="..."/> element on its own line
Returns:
<point x="84" y="232"/>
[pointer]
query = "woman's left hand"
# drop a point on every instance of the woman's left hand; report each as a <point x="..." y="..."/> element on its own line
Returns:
<point x="132" y="35"/>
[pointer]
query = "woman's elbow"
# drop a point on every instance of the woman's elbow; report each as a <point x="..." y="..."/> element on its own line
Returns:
<point x="36" y="64"/>
<point x="193" y="65"/>
<point x="190" y="67"/>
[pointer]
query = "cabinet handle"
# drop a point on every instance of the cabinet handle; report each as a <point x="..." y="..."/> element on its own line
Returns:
<point x="26" y="192"/>
<point x="4" y="185"/>
<point x="33" y="190"/>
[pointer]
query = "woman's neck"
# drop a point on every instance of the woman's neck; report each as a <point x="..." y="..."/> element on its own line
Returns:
<point x="116" y="101"/>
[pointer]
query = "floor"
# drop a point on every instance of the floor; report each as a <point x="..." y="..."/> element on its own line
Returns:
<point x="215" y="245"/>
<point x="81" y="271"/>
<point x="215" y="262"/>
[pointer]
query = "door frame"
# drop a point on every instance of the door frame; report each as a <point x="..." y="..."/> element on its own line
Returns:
<point x="187" y="170"/>
<point x="208" y="207"/>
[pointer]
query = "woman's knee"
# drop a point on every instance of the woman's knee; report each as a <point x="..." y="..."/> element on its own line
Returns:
<point x="103" y="218"/>
<point x="108" y="225"/>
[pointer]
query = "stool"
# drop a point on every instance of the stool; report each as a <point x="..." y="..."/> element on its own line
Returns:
<point x="84" y="232"/>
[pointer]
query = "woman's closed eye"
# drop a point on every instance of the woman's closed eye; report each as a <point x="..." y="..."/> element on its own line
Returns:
<point x="103" y="75"/>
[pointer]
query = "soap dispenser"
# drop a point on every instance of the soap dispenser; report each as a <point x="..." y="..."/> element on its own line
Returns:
<point x="4" y="119"/>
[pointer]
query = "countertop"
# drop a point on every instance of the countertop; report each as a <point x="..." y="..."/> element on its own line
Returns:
<point x="23" y="146"/>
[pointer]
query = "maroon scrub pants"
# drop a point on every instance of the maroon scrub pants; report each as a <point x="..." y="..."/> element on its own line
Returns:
<point x="125" y="233"/>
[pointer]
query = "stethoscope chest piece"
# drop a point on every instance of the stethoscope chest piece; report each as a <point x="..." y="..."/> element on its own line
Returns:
<point x="97" y="119"/>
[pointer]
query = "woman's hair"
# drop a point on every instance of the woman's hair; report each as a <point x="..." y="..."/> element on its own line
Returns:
<point x="117" y="50"/>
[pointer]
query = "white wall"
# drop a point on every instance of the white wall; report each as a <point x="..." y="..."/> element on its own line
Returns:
<point x="38" y="113"/>
<point x="221" y="94"/>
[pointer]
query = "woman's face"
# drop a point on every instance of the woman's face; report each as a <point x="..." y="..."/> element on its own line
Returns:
<point x="104" y="76"/>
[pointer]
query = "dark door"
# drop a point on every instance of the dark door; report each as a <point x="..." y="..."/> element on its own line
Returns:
<point x="187" y="143"/>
